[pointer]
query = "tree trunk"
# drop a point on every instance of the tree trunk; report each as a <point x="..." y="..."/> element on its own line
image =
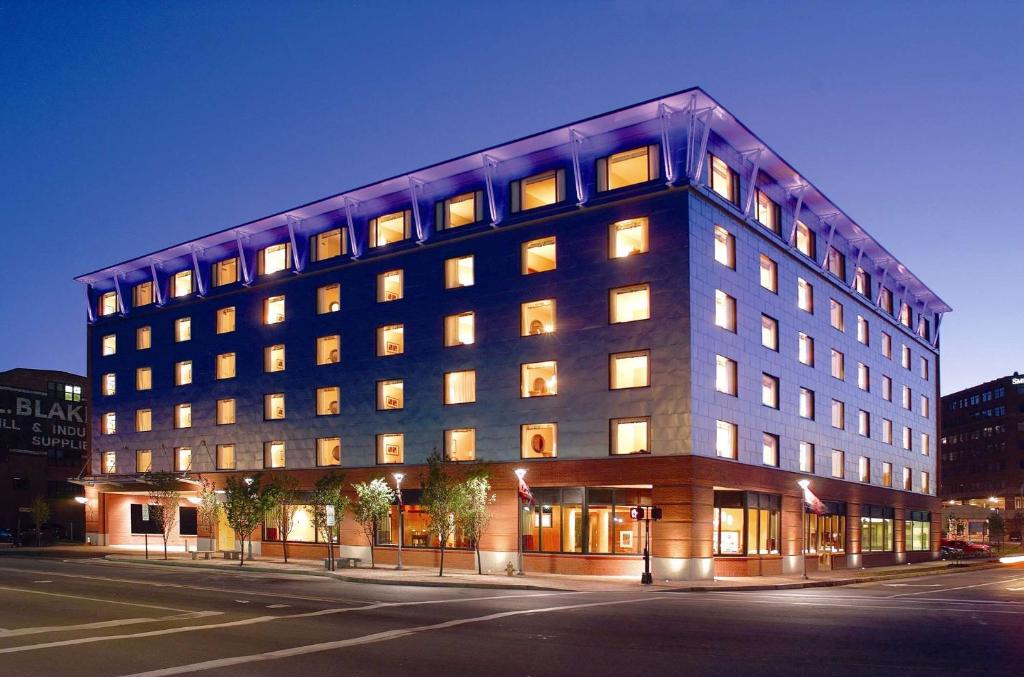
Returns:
<point x="440" y="571"/>
<point x="165" y="547"/>
<point x="479" y="563"/>
<point x="284" y="545"/>
<point x="241" y="542"/>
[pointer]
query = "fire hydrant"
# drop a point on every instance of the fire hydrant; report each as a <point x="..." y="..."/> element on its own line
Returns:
<point x="510" y="570"/>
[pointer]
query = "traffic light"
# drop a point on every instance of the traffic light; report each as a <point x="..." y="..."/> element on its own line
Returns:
<point x="655" y="514"/>
<point x="637" y="512"/>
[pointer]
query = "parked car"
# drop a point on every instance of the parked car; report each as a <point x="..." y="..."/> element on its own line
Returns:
<point x="966" y="548"/>
<point x="48" y="533"/>
<point x="6" y="536"/>
<point x="949" y="552"/>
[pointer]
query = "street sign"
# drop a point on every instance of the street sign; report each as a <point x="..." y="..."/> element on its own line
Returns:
<point x="330" y="515"/>
<point x="145" y="512"/>
<point x="24" y="509"/>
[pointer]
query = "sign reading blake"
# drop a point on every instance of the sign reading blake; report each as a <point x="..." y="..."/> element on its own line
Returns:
<point x="32" y="421"/>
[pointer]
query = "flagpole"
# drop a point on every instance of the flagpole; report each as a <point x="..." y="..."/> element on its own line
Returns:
<point x="520" y="473"/>
<point x="803" y="525"/>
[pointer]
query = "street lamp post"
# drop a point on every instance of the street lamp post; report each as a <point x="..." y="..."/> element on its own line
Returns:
<point x="401" y="516"/>
<point x="520" y="473"/>
<point x="803" y="524"/>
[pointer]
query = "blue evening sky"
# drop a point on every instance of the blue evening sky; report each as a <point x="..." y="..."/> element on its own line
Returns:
<point x="125" y="127"/>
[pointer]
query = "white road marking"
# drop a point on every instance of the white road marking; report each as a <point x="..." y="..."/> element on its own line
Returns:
<point x="912" y="585"/>
<point x="42" y="581"/>
<point x="863" y="598"/>
<point x="93" y="599"/>
<point x="20" y="632"/>
<point x="962" y="587"/>
<point x="278" y="606"/>
<point x="370" y="639"/>
<point x="242" y="601"/>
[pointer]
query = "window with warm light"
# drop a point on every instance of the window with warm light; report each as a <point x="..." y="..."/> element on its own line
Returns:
<point x="838" y="464"/>
<point x="723" y="179"/>
<point x="183" y="373"/>
<point x="460" y="444"/>
<point x="630" y="304"/>
<point x="864" y="469"/>
<point x="926" y="484"/>
<point x="539" y="256"/>
<point x="108" y="345"/>
<point x="226" y="411"/>
<point x="807" y="403"/>
<point x="226" y="320"/>
<point x="460" y="387"/>
<point x="887" y="431"/>
<point x="886" y="345"/>
<point x="328" y="299"/>
<point x="183" y="329"/>
<point x="328" y="451"/>
<point x="923" y="368"/>
<point x="459" y="329"/>
<point x="863" y="423"/>
<point x="905" y="356"/>
<point x="390" y="286"/>
<point x="539" y="440"/>
<point x="143" y="461"/>
<point x="181" y="284"/>
<point x="273" y="455"/>
<point x="108" y="464"/>
<point x="390" y="394"/>
<point x="885" y="299"/>
<point x="806" y="461"/>
<point x="628" y="168"/>
<point x="461" y="210"/>
<point x="835" y="263"/>
<point x="225" y="365"/>
<point x="862" y="282"/>
<point x="108" y="384"/>
<point x="142" y="294"/>
<point x="143" y="338"/>
<point x="182" y="459"/>
<point x="908" y="438"/>
<point x="907" y="480"/>
<point x="538" y="317"/>
<point x="769" y="274"/>
<point x="770" y="391"/>
<point x="836" y="315"/>
<point x="926" y="444"/>
<point x="925" y="406"/>
<point x="273" y="259"/>
<point x="886" y="474"/>
<point x="725" y="247"/>
<point x="458" y="272"/>
<point x="183" y="416"/>
<point x="725" y="375"/>
<point x="725" y="311"/>
<point x="107" y="304"/>
<point x="273" y="310"/>
<point x="863" y="330"/>
<point x="770" y="449"/>
<point x="391" y="448"/>
<point x="805" y="240"/>
<point x="631" y="435"/>
<point x="144" y="378"/>
<point x="838" y="365"/>
<point x="770" y="333"/>
<point x="539" y="379"/>
<point x="906" y="398"/>
<point x="273" y="358"/>
<point x="905" y="315"/>
<point x="767" y="212"/>
<point x="805" y="295"/>
<point x="328" y="350"/>
<point x="805" y="349"/>
<point x="628" y="238"/>
<point x="630" y="370"/>
<point x="863" y="377"/>
<point x="225" y="272"/>
<point x="539" y="190"/>
<point x="327" y="245"/>
<point x="726" y="439"/>
<point x="328" y="401"/>
<point x="390" y="340"/>
<point x="390" y="228"/>
<point x="225" y="457"/>
<point x="143" y="420"/>
<point x="273" y="407"/>
<point x="838" y="415"/>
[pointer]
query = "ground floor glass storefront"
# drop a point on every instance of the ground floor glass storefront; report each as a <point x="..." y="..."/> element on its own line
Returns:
<point x="825" y="533"/>
<point x="414" y="526"/>
<point x="747" y="523"/>
<point x="918" y="530"/>
<point x="591" y="520"/>
<point x="876" y="528"/>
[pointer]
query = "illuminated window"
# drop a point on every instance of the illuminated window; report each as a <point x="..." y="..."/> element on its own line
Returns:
<point x="539" y="440"/>
<point x="225" y="457"/>
<point x="630" y="370"/>
<point x="725" y="375"/>
<point x="835" y="263"/>
<point x="627" y="238"/>
<point x="725" y="247"/>
<point x="183" y="329"/>
<point x="838" y="464"/>
<point x="327" y="245"/>
<point x="629" y="304"/>
<point x="926" y="447"/>
<point x="328" y="401"/>
<point x="926" y="484"/>
<point x="142" y="294"/>
<point x="183" y="416"/>
<point x="863" y="423"/>
<point x="390" y="394"/>
<point x="886" y="474"/>
<point x="273" y="455"/>
<point x="770" y="391"/>
<point x="863" y="376"/>
<point x="143" y="338"/>
<point x="836" y="315"/>
<point x="273" y="407"/>
<point x="805" y="239"/>
<point x="908" y="438"/>
<point x="226" y="365"/>
<point x="390" y="340"/>
<point x="109" y="462"/>
<point x="273" y="259"/>
<point x="109" y="345"/>
<point x="905" y="315"/>
<point x="143" y="420"/>
<point x="225" y="272"/>
<point x="885" y="299"/>
<point x="108" y="304"/>
<point x="905" y="356"/>
<point x="461" y="210"/>
<point x="539" y="256"/>
<point x="226" y="320"/>
<point x="805" y="295"/>
<point x="539" y="379"/>
<point x="108" y="384"/>
<point x="725" y="311"/>
<point x="183" y="373"/>
<point x="906" y="398"/>
<point x="460" y="387"/>
<point x="458" y="272"/>
<point x="183" y="459"/>
<point x="226" y="411"/>
<point x="863" y="331"/>
<point x="273" y="310"/>
<point x="862" y="282"/>
<point x="144" y="378"/>
<point x="328" y="451"/>
<point x="838" y="365"/>
<point x="838" y="415"/>
<point x="328" y="299"/>
<point x="631" y="435"/>
<point x="805" y="349"/>
<point x="273" y="358"/>
<point x="767" y="212"/>
<point x="887" y="431"/>
<point x="143" y="460"/>
<point x="459" y="329"/>
<point x="770" y="449"/>
<point x="535" y="191"/>
<point x="807" y="404"/>
<point x="806" y="457"/>
<point x="770" y="333"/>
<point x="460" y="444"/>
<point x="886" y="345"/>
<point x="723" y="179"/>
<point x="328" y="350"/>
<point x="907" y="481"/>
<point x="391" y="448"/>
<point x="923" y="368"/>
<point x="726" y="439"/>
<point x="864" y="469"/>
<point x="390" y="286"/>
<point x="538" y="317"/>
<point x="181" y="284"/>
<point x="390" y="228"/>
<point x="925" y="406"/>
<point x="769" y="274"/>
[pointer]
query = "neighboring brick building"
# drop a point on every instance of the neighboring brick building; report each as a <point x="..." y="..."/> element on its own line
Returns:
<point x="648" y="306"/>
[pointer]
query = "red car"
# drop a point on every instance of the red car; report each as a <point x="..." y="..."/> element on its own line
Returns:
<point x="967" y="548"/>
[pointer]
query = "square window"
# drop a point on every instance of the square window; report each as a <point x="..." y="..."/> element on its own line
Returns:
<point x="539" y="379"/>
<point x="328" y="350"/>
<point x="628" y="238"/>
<point x="460" y="444"/>
<point x="537" y="191"/>
<point x="183" y="459"/>
<point x="390" y="340"/>
<point x="390" y="394"/>
<point x="726" y="439"/>
<point x="836" y="315"/>
<point x="725" y="375"/>
<point x="770" y="449"/>
<point x="460" y="387"/>
<point x="181" y="284"/>
<point x="630" y="304"/>
<point x="805" y="240"/>
<point x="539" y="440"/>
<point x="108" y="345"/>
<point x="768" y="213"/>
<point x="273" y="455"/>
<point x="725" y="247"/>
<point x="539" y="256"/>
<point x="389" y="228"/>
<point x="628" y="168"/>
<point x="631" y="436"/>
<point x="459" y="330"/>
<point x="770" y="333"/>
<point x="807" y="404"/>
<point x="805" y="349"/>
<point x="770" y="391"/>
<point x="458" y="272"/>
<point x="838" y="365"/>
<point x="143" y="461"/>
<point x="724" y="180"/>
<point x="328" y="245"/>
<point x="805" y="295"/>
<point x="226" y="411"/>
<point x="864" y="469"/>
<point x="108" y="384"/>
<point x="226" y="365"/>
<point x="390" y="286"/>
<point x="391" y="448"/>
<point x="142" y="294"/>
<point x="225" y="272"/>
<point x="183" y="373"/>
<point x="769" y="274"/>
<point x="108" y="304"/>
<point x="725" y="311"/>
<point x="225" y="457"/>
<point x="630" y="370"/>
<point x="143" y="420"/>
<point x="226" y="320"/>
<point x="183" y="416"/>
<point x="183" y="329"/>
<point x="328" y="299"/>
<point x="109" y="462"/>
<point x="273" y="310"/>
<point x="328" y="451"/>
<point x="273" y="358"/>
<point x="838" y="464"/>
<point x="538" y="317"/>
<point x="273" y="259"/>
<point x="806" y="457"/>
<point x="273" y="407"/>
<point x="144" y="378"/>
<point x="328" y="401"/>
<point x="838" y="415"/>
<point x="143" y="338"/>
<point x="461" y="210"/>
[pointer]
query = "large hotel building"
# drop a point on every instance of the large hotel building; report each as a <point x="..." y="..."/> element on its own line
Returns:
<point x="649" y="306"/>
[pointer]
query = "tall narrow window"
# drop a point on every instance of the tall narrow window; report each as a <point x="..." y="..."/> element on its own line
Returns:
<point x="926" y="445"/>
<point x="725" y="311"/>
<point x="143" y="338"/>
<point x="538" y="317"/>
<point x="144" y="378"/>
<point x="631" y="436"/>
<point x="225" y="272"/>
<point x="390" y="340"/>
<point x="863" y="423"/>
<point x="390" y="395"/>
<point x="108" y="384"/>
<point x="863" y="376"/>
<point x="725" y="247"/>
<point x="770" y="391"/>
<point x="328" y="298"/>
<point x="458" y="272"/>
<point x="328" y="401"/>
<point x="328" y="350"/>
<point x="908" y="482"/>
<point x="225" y="365"/>
<point x="885" y="299"/>
<point x="226" y="320"/>
<point x="328" y="451"/>
<point x="862" y="282"/>
<point x="923" y="370"/>
<point x="108" y="304"/>
<point x="838" y="464"/>
<point x="886" y="345"/>
<point x="770" y="333"/>
<point x="273" y="310"/>
<point x="628" y="238"/>
<point x="864" y="469"/>
<point x="183" y="459"/>
<point x="863" y="330"/>
<point x="925" y="406"/>
<point x="142" y="294"/>
<point x="838" y="415"/>
<point x="768" y="213"/>
<point x="539" y="440"/>
<point x="725" y="375"/>
<point x="926" y="484"/>
<point x="225" y="457"/>
<point x="460" y="329"/>
<point x="143" y="420"/>
<point x="181" y="284"/>
<point x="806" y="457"/>
<point x="108" y="345"/>
<point x="539" y="256"/>
<point x="273" y="358"/>
<point x="273" y="259"/>
<point x="183" y="373"/>
<point x="805" y="295"/>
<point x="183" y="329"/>
<point x="273" y="455"/>
<point x="273" y="407"/>
<point x="769" y="274"/>
<point x="460" y="444"/>
<point x="836" y="315"/>
<point x="390" y="228"/>
<point x="327" y="245"/>
<point x="226" y="411"/>
<point x="461" y="210"/>
<point x="108" y="464"/>
<point x="630" y="370"/>
<point x="906" y="315"/>
<point x="908" y="438"/>
<point x="726" y="439"/>
<point x="805" y="349"/>
<point x="390" y="286"/>
<point x="627" y="168"/>
<point x="460" y="387"/>
<point x="539" y="379"/>
<point x="907" y="398"/>
<point x="838" y="365"/>
<point x="905" y="356"/>
<point x="835" y="263"/>
<point x="723" y="179"/>
<point x="391" y="448"/>
<point x="183" y="415"/>
<point x="886" y="474"/>
<point x="539" y="190"/>
<point x="805" y="240"/>
<point x="143" y="461"/>
<point x="108" y="423"/>
<point x="770" y="449"/>
<point x="887" y="431"/>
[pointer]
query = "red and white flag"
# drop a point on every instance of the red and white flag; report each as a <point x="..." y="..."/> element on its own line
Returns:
<point x="814" y="503"/>
<point x="524" y="491"/>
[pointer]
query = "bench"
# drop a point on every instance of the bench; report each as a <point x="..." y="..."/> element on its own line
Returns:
<point x="207" y="554"/>
<point x="350" y="562"/>
<point x="230" y="554"/>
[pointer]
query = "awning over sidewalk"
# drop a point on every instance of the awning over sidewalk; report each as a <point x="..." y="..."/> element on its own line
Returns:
<point x="135" y="483"/>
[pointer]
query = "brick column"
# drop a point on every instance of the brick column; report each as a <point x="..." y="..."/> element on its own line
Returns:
<point x="681" y="547"/>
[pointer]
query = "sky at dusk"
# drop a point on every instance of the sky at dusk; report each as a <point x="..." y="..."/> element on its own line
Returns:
<point x="127" y="127"/>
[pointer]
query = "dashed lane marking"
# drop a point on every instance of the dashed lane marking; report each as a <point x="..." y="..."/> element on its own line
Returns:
<point x="963" y="587"/>
<point x="21" y="632"/>
<point x="278" y="606"/>
<point x="42" y="581"/>
<point x="93" y="599"/>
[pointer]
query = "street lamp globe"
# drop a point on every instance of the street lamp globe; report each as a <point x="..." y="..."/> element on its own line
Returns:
<point x="520" y="473"/>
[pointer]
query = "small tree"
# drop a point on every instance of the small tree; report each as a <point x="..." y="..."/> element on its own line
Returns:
<point x="326" y="495"/>
<point x="283" y="494"/>
<point x="441" y="498"/>
<point x="245" y="505"/>
<point x="373" y="500"/>
<point x="208" y="509"/>
<point x="996" y="529"/>
<point x="164" y="495"/>
<point x="40" y="514"/>
<point x="473" y="514"/>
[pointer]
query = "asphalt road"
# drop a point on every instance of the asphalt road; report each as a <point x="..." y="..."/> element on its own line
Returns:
<point x="93" y="617"/>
